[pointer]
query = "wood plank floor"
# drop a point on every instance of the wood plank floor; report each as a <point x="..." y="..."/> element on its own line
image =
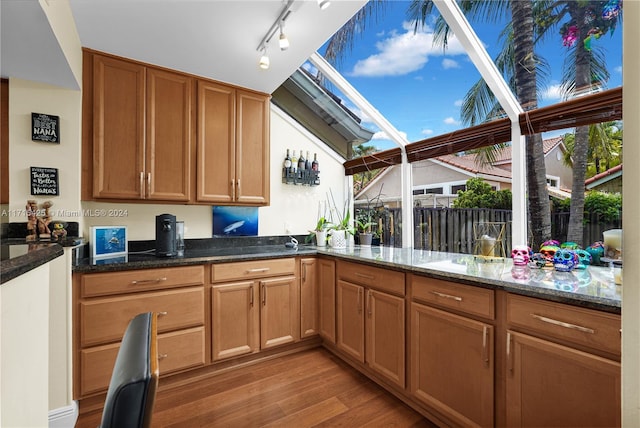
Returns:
<point x="307" y="389"/>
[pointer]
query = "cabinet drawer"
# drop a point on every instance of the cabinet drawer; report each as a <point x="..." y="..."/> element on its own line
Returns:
<point x="176" y="351"/>
<point x="465" y="298"/>
<point x="252" y="269"/>
<point x="378" y="278"/>
<point x="103" y="284"/>
<point x="105" y="320"/>
<point x="586" y="327"/>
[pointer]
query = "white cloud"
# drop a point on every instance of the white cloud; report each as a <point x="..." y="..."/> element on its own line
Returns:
<point x="404" y="52"/>
<point x="552" y="92"/>
<point x="427" y="132"/>
<point x="448" y="63"/>
<point x="458" y="103"/>
<point x="381" y="135"/>
<point x="451" y="121"/>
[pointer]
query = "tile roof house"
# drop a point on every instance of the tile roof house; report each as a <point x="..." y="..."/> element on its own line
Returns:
<point x="436" y="181"/>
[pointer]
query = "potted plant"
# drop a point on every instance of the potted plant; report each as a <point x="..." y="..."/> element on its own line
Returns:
<point x="364" y="231"/>
<point x="341" y="226"/>
<point x="320" y="232"/>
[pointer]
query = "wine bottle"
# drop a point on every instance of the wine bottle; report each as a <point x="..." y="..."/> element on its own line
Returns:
<point x="315" y="165"/>
<point x="301" y="162"/>
<point x="294" y="162"/>
<point x="287" y="162"/>
<point x="307" y="164"/>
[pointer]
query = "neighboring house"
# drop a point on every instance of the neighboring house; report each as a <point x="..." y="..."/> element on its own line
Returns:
<point x="437" y="181"/>
<point x="609" y="181"/>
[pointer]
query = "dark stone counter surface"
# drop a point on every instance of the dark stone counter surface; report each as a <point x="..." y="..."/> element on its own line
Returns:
<point x="17" y="258"/>
<point x="591" y="288"/>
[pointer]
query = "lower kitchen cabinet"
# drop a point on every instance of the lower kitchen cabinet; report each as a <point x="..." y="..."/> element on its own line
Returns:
<point x="259" y="310"/>
<point x="327" y="299"/>
<point x="235" y="319"/>
<point x="371" y="323"/>
<point x="553" y="385"/>
<point x="105" y="303"/>
<point x="452" y="365"/>
<point x="562" y="365"/>
<point x="309" y="318"/>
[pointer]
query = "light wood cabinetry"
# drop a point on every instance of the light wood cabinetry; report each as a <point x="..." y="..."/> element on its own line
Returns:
<point x="233" y="145"/>
<point x="327" y="299"/>
<point x="371" y="320"/>
<point x="255" y="305"/>
<point x="562" y="365"/>
<point x="309" y="319"/>
<point x="155" y="134"/>
<point x="104" y="303"/>
<point x="452" y="354"/>
<point x="142" y="126"/>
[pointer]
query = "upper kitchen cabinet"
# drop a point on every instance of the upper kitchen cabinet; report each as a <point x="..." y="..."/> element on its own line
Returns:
<point x="142" y="126"/>
<point x="233" y="145"/>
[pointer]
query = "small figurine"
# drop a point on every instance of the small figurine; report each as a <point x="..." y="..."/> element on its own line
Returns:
<point x="32" y="223"/>
<point x="59" y="232"/>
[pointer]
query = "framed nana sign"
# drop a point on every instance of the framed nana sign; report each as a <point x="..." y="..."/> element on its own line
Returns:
<point x="45" y="127"/>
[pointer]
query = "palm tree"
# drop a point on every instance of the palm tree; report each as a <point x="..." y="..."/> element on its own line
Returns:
<point x="605" y="147"/>
<point x="585" y="71"/>
<point x="520" y="67"/>
<point x="361" y="179"/>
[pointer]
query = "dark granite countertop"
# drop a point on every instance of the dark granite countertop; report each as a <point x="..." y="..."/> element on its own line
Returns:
<point x="592" y="288"/>
<point x="17" y="258"/>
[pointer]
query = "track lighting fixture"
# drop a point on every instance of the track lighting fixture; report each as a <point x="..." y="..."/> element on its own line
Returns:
<point x="323" y="4"/>
<point x="283" y="41"/>
<point x="264" y="59"/>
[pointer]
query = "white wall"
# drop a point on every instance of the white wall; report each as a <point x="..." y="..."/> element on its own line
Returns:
<point x="24" y="349"/>
<point x="27" y="97"/>
<point x="631" y="230"/>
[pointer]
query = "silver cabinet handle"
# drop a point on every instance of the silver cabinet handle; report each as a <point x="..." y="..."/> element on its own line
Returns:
<point x="141" y="184"/>
<point x="563" y="324"/>
<point x="509" y="354"/>
<point x="447" y="296"/>
<point x="359" y="300"/>
<point x="148" y="281"/>
<point x="264" y="294"/>
<point x="163" y="313"/>
<point x="485" y="345"/>
<point x="251" y="297"/>
<point x="163" y="356"/>
<point x="257" y="270"/>
<point x="233" y="190"/>
<point x="369" y="302"/>
<point x="148" y="185"/>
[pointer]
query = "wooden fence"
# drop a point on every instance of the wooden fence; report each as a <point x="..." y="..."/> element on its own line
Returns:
<point x="451" y="229"/>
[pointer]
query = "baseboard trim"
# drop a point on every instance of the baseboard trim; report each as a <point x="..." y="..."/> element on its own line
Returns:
<point x="64" y="417"/>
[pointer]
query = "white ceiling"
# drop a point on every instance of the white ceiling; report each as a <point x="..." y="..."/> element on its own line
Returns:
<point x="211" y="38"/>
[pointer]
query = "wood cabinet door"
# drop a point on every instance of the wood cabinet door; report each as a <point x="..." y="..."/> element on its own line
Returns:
<point x="118" y="129"/>
<point x="168" y="137"/>
<point x="350" y="319"/>
<point x="553" y="385"/>
<point x="252" y="148"/>
<point x="308" y="297"/>
<point x="452" y="365"/>
<point x="235" y="319"/>
<point x="385" y="344"/>
<point x="327" y="299"/>
<point x="279" y="312"/>
<point x="216" y="153"/>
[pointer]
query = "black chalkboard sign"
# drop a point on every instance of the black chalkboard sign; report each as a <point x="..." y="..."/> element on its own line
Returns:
<point x="44" y="181"/>
<point x="45" y="127"/>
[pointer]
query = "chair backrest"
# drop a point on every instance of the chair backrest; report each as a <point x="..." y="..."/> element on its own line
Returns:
<point x="134" y="381"/>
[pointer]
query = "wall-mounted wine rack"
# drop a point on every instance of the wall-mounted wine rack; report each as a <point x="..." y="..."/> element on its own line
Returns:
<point x="306" y="177"/>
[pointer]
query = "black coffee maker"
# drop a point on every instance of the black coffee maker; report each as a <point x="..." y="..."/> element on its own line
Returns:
<point x="166" y="235"/>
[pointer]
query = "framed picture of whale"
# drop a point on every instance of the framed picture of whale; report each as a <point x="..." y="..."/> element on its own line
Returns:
<point x="235" y="221"/>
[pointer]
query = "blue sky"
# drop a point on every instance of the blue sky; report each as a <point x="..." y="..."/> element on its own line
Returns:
<point x="419" y="88"/>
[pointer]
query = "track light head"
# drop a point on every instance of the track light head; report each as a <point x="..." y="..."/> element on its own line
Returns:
<point x="323" y="4"/>
<point x="264" y="59"/>
<point x="283" y="41"/>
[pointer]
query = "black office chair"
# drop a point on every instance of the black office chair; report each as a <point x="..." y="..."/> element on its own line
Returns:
<point x="134" y="381"/>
